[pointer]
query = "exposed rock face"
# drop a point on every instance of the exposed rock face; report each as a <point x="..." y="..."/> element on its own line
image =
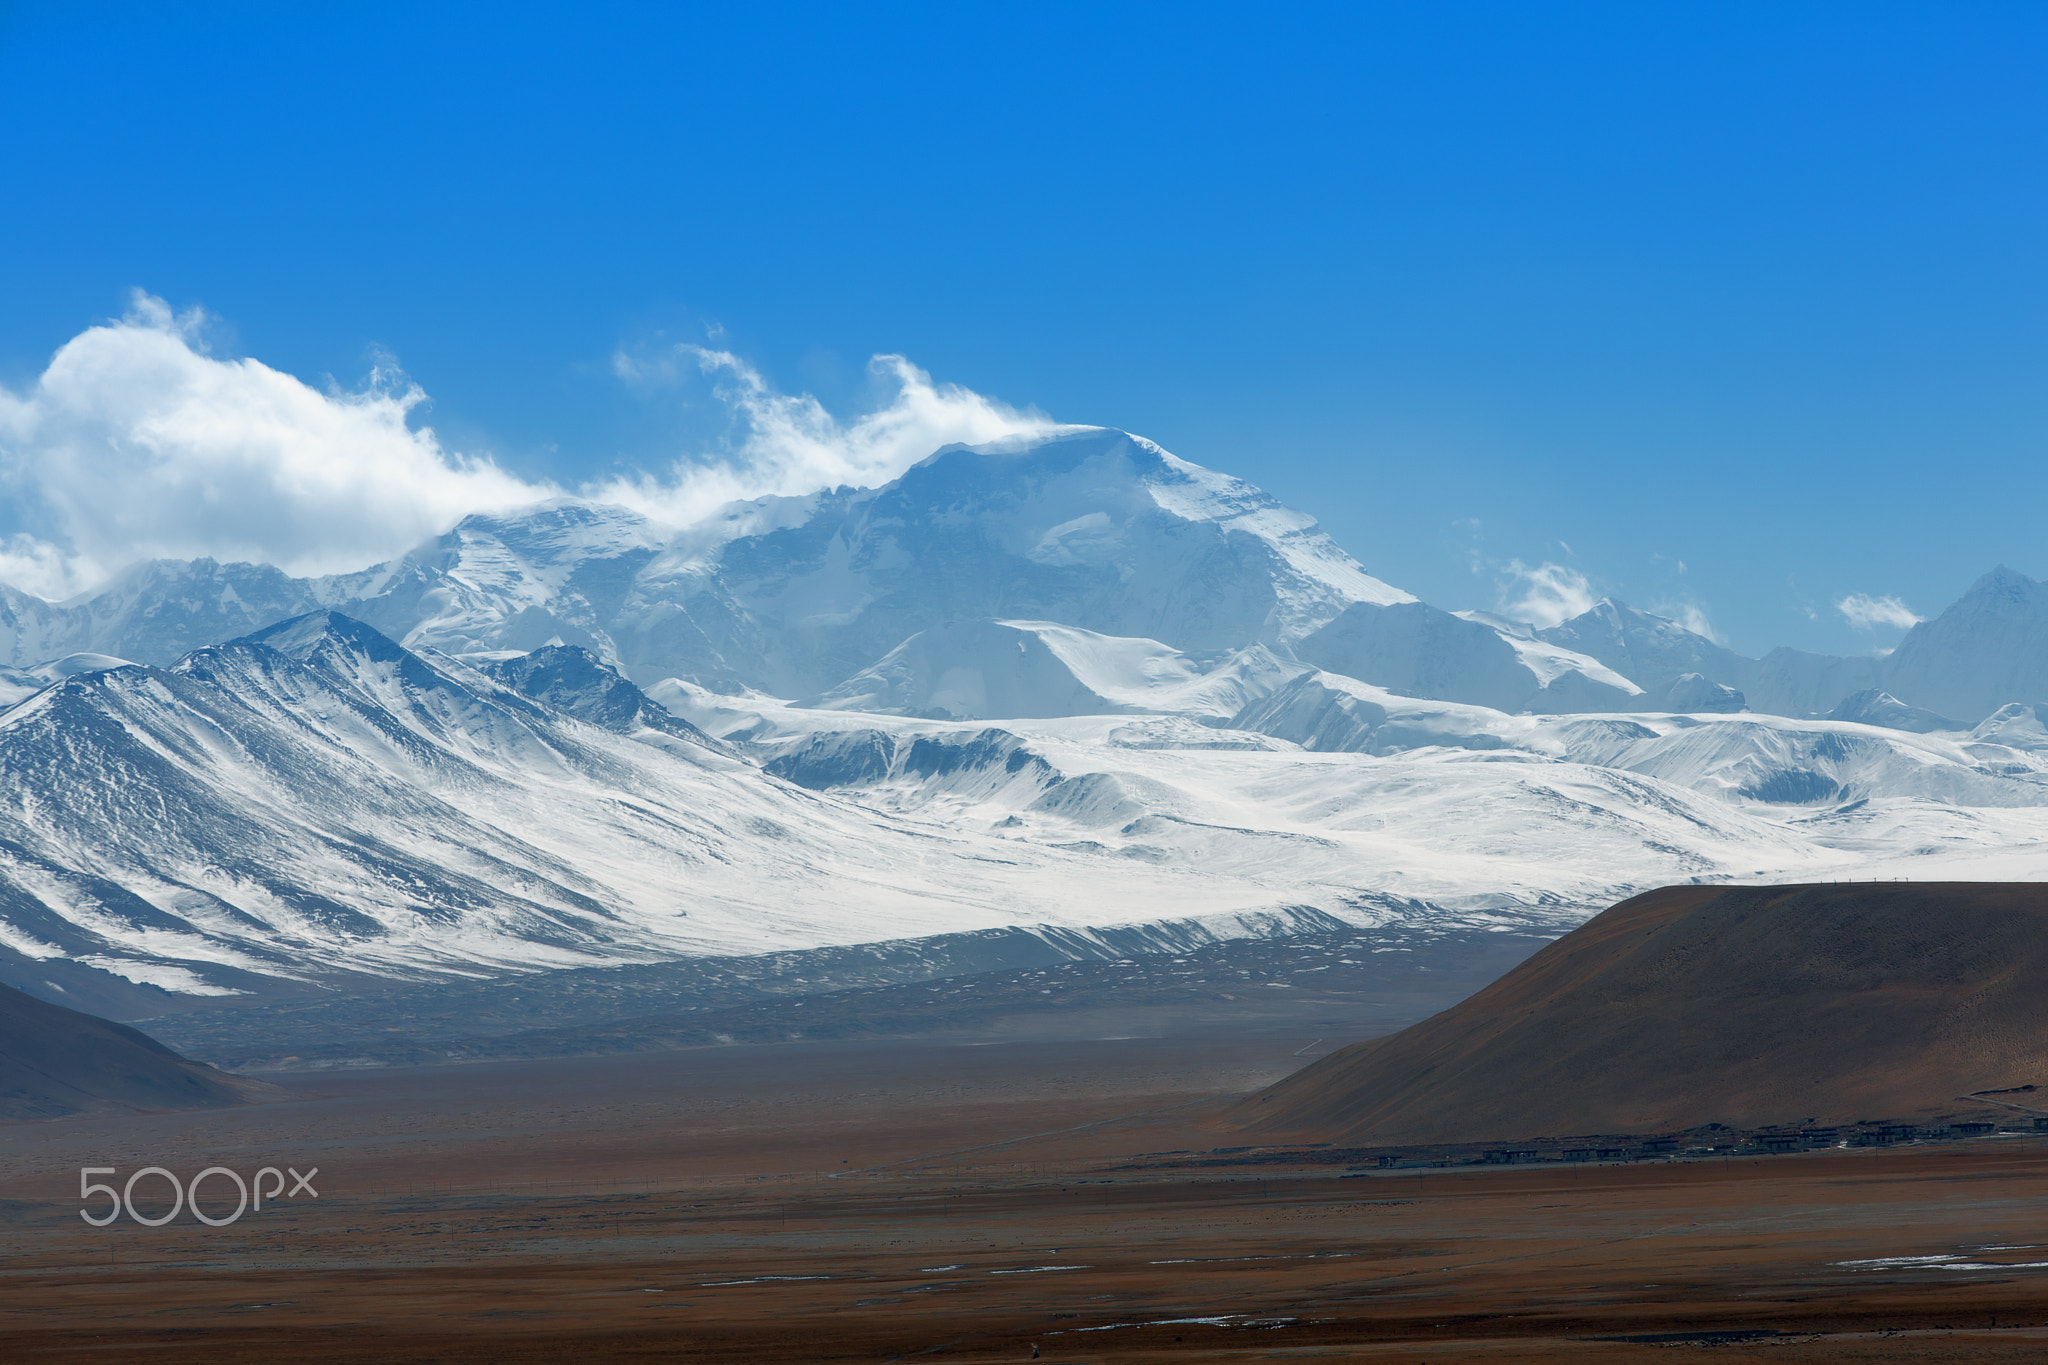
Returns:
<point x="1749" y="1006"/>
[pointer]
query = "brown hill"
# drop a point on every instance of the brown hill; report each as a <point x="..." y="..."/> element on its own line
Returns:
<point x="55" y="1061"/>
<point x="1749" y="1006"/>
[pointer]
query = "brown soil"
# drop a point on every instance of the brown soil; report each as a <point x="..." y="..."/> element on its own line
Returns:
<point x="1749" y="1006"/>
<point x="871" y="1202"/>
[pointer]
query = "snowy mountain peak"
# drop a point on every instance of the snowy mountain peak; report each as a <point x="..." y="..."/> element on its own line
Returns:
<point x="574" y="681"/>
<point x="1652" y="651"/>
<point x="1874" y="706"/>
<point x="1075" y="496"/>
<point x="2020" y="725"/>
<point x="1988" y="649"/>
<point x="72" y="664"/>
<point x="556" y="535"/>
<point x="2008" y="585"/>
<point x="318" y="632"/>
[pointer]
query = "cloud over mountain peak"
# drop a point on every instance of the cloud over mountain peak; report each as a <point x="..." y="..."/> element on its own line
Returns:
<point x="137" y="442"/>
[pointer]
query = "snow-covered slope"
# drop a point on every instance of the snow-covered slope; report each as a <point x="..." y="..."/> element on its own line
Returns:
<point x="1416" y="650"/>
<point x="314" y="799"/>
<point x="577" y="683"/>
<point x="1651" y="651"/>
<point x="1501" y="832"/>
<point x="1875" y="706"/>
<point x="2018" y="726"/>
<point x="1041" y="668"/>
<point x="977" y="668"/>
<point x="1331" y="713"/>
<point x="1739" y="758"/>
<point x="19" y="684"/>
<point x="1785" y="762"/>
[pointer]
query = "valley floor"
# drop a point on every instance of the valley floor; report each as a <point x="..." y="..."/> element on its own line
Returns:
<point x="863" y="1200"/>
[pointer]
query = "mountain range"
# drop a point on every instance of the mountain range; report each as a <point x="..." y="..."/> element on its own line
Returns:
<point x="1091" y="528"/>
<point x="1059" y="685"/>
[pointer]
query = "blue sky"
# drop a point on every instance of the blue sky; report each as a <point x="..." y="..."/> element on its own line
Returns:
<point x="1735" y="307"/>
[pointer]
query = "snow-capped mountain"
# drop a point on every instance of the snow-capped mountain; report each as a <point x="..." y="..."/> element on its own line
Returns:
<point x="1054" y="685"/>
<point x="1744" y="759"/>
<point x="858" y="593"/>
<point x="1795" y="682"/>
<point x="315" y="801"/>
<point x="1875" y="706"/>
<point x="153" y="612"/>
<point x="876" y="597"/>
<point x="1416" y="650"/>
<point x="1682" y="670"/>
<point x="1651" y="651"/>
<point x="1987" y="650"/>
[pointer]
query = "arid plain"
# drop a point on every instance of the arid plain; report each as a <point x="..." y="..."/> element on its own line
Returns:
<point x="867" y="1200"/>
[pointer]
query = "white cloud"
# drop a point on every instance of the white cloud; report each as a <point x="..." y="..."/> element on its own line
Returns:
<point x="1695" y="620"/>
<point x="137" y="443"/>
<point x="1545" y="594"/>
<point x="792" y="445"/>
<point x="1865" y="612"/>
<point x="39" y="567"/>
<point x="1690" y="615"/>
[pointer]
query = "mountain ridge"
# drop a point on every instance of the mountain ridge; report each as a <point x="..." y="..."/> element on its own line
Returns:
<point x="1089" y="529"/>
<point x="1068" y="684"/>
